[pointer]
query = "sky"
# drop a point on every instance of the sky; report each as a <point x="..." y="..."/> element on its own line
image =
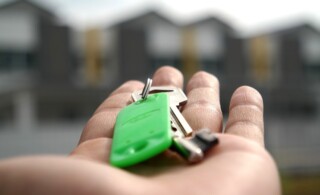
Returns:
<point x="246" y="15"/>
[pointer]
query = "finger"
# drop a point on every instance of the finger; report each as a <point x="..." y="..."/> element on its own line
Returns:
<point x="102" y="122"/>
<point x="168" y="76"/>
<point x="203" y="107"/>
<point x="121" y="96"/>
<point x="246" y="114"/>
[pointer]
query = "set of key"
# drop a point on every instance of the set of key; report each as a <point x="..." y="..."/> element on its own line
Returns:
<point x="179" y="125"/>
<point x="152" y="124"/>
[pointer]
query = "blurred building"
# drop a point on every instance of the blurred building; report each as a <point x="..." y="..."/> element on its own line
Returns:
<point x="211" y="44"/>
<point x="49" y="72"/>
<point x="208" y="38"/>
<point x="135" y="47"/>
<point x="285" y="65"/>
<point x="38" y="90"/>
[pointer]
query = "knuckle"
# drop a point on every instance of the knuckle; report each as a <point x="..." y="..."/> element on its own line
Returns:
<point x="204" y="116"/>
<point x="94" y="121"/>
<point x="100" y="125"/>
<point x="246" y="116"/>
<point x="247" y="129"/>
<point x="205" y="106"/>
<point x="243" y="124"/>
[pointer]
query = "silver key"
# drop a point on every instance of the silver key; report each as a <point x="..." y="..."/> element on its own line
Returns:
<point x="192" y="148"/>
<point x="180" y="126"/>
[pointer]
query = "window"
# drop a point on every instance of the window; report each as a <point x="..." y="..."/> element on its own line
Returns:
<point x="16" y="60"/>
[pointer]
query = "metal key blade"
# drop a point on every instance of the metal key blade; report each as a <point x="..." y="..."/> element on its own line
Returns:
<point x="181" y="123"/>
<point x="180" y="126"/>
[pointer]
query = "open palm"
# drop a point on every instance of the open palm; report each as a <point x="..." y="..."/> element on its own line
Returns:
<point x="238" y="165"/>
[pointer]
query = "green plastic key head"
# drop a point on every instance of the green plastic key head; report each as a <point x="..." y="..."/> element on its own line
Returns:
<point x="142" y="130"/>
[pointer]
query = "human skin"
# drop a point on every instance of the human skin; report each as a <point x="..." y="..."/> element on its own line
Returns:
<point x="239" y="164"/>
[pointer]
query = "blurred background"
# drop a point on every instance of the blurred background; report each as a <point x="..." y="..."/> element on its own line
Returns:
<point x="60" y="58"/>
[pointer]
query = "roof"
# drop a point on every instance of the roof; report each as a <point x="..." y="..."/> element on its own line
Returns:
<point x="140" y="16"/>
<point x="211" y="19"/>
<point x="35" y="6"/>
<point x="292" y="29"/>
<point x="297" y="28"/>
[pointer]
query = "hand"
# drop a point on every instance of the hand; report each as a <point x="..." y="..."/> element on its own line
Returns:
<point x="239" y="164"/>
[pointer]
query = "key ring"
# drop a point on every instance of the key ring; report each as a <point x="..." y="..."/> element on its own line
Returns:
<point x="146" y="89"/>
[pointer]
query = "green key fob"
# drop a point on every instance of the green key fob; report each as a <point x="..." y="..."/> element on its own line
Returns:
<point x="142" y="130"/>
